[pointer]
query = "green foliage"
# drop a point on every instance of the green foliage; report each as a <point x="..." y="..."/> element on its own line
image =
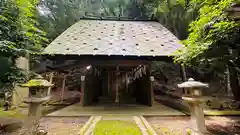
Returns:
<point x="19" y="35"/>
<point x="176" y="15"/>
<point x="28" y="23"/>
<point x="211" y="37"/>
<point x="12" y="113"/>
<point x="57" y="15"/>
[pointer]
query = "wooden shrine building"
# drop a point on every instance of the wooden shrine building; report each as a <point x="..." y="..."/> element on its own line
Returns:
<point x="111" y="60"/>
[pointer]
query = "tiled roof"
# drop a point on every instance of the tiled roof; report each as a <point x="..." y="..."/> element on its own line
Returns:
<point x="127" y="38"/>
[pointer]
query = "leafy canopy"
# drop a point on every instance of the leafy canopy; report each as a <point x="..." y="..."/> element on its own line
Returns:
<point x="212" y="32"/>
<point x="19" y="35"/>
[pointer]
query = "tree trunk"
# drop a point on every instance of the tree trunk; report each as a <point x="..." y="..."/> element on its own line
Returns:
<point x="184" y="76"/>
<point x="183" y="73"/>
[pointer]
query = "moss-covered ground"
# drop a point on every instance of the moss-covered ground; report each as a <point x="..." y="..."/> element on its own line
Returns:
<point x="116" y="127"/>
<point x="14" y="113"/>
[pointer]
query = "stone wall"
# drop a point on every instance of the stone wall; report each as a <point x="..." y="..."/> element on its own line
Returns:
<point x="20" y="93"/>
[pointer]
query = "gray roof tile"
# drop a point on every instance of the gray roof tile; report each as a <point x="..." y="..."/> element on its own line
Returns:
<point x="129" y="38"/>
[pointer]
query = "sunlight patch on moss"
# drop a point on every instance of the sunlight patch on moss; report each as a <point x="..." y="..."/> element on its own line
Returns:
<point x="116" y="127"/>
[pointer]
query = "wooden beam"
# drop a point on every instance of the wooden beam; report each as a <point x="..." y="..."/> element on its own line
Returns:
<point x="106" y="63"/>
<point x="106" y="57"/>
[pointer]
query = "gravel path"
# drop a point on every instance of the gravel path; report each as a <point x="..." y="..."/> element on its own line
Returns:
<point x="63" y="126"/>
<point x="216" y="125"/>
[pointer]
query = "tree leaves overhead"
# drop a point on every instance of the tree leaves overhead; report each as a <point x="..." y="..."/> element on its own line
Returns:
<point x="19" y="35"/>
<point x="57" y="15"/>
<point x="176" y="15"/>
<point x="213" y="31"/>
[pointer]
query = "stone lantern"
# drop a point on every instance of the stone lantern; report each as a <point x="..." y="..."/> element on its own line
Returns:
<point x="38" y="93"/>
<point x="194" y="100"/>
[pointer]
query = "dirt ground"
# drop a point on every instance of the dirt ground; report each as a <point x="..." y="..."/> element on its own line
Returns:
<point x="63" y="125"/>
<point x="215" y="125"/>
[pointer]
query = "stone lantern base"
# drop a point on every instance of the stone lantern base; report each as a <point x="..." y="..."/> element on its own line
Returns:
<point x="35" y="106"/>
<point x="197" y="115"/>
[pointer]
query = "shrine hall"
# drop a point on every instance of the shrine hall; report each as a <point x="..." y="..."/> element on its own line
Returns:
<point x="109" y="61"/>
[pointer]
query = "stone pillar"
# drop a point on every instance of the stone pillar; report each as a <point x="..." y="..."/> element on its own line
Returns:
<point x="82" y="90"/>
<point x="20" y="93"/>
<point x="197" y="117"/>
<point x="35" y="110"/>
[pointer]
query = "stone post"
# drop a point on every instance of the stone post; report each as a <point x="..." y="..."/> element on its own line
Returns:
<point x="198" y="117"/>
<point x="194" y="101"/>
<point x="35" y="110"/>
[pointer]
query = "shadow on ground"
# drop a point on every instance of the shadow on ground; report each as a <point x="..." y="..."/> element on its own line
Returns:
<point x="224" y="125"/>
<point x="215" y="125"/>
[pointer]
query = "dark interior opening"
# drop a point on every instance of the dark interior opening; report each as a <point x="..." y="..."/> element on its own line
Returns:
<point x="103" y="84"/>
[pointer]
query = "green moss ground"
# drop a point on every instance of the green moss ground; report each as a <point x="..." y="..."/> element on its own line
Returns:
<point x="116" y="127"/>
<point x="11" y="113"/>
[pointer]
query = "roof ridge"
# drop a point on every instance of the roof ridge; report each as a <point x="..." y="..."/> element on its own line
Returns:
<point x="113" y="18"/>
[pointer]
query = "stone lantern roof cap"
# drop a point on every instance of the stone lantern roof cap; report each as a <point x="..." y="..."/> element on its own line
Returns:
<point x="191" y="83"/>
<point x="39" y="81"/>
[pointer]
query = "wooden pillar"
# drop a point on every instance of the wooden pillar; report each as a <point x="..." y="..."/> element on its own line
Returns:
<point x="108" y="82"/>
<point x="152" y="89"/>
<point x="63" y="87"/>
<point x="50" y="80"/>
<point x="82" y="90"/>
<point x="117" y="92"/>
<point x="149" y="82"/>
<point x="126" y="82"/>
